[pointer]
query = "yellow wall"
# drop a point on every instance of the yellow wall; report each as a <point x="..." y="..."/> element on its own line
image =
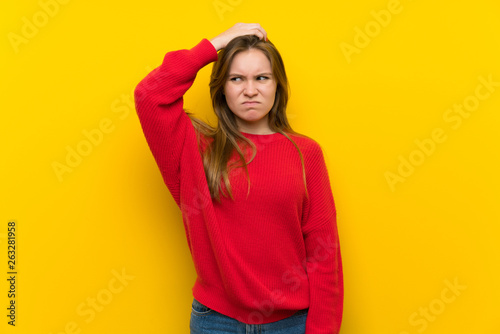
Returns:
<point x="378" y="84"/>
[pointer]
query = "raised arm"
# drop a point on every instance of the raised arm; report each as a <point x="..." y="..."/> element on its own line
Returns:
<point x="159" y="105"/>
<point x="159" y="101"/>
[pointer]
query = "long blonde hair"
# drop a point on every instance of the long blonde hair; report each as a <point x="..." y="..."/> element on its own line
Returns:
<point x="226" y="135"/>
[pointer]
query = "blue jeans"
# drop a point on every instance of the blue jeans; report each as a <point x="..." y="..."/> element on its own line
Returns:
<point x="204" y="320"/>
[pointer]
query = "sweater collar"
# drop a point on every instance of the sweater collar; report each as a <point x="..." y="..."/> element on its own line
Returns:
<point x="262" y="138"/>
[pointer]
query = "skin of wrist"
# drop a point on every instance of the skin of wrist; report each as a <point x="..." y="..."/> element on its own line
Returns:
<point x="215" y="44"/>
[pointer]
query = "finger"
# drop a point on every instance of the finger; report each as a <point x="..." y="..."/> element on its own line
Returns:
<point x="263" y="32"/>
<point x="257" y="26"/>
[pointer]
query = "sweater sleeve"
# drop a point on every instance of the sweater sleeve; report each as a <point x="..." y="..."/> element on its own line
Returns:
<point x="323" y="262"/>
<point x="159" y="105"/>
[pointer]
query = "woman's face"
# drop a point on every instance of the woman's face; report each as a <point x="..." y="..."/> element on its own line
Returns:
<point x="250" y="90"/>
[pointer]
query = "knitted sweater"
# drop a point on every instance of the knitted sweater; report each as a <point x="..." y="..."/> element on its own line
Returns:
<point x="267" y="254"/>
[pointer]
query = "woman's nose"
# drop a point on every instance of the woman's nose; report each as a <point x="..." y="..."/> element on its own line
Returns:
<point x="250" y="89"/>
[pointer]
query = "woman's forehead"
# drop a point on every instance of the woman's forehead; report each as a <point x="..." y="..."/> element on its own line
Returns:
<point x="250" y="61"/>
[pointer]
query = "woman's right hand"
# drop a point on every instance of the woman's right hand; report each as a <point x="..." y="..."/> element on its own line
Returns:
<point x="239" y="29"/>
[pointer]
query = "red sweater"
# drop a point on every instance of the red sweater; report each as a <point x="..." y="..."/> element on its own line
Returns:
<point x="260" y="258"/>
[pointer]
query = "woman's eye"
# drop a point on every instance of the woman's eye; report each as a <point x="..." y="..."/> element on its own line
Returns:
<point x="259" y="78"/>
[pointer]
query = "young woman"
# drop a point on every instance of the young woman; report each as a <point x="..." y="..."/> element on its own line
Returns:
<point x="255" y="196"/>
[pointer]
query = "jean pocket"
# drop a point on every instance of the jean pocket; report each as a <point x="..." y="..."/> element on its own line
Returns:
<point x="200" y="309"/>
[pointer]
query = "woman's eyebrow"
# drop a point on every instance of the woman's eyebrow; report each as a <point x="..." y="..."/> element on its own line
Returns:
<point x="241" y="75"/>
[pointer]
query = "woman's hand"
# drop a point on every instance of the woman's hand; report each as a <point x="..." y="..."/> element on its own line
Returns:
<point x="239" y="29"/>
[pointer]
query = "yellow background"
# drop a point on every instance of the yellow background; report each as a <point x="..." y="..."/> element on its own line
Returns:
<point x="112" y="212"/>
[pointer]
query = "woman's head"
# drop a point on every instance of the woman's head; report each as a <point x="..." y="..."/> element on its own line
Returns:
<point x="249" y="70"/>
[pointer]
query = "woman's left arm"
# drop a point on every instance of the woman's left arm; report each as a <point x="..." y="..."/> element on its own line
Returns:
<point x="324" y="263"/>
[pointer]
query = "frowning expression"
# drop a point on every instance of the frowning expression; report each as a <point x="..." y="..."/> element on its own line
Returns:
<point x="250" y="89"/>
